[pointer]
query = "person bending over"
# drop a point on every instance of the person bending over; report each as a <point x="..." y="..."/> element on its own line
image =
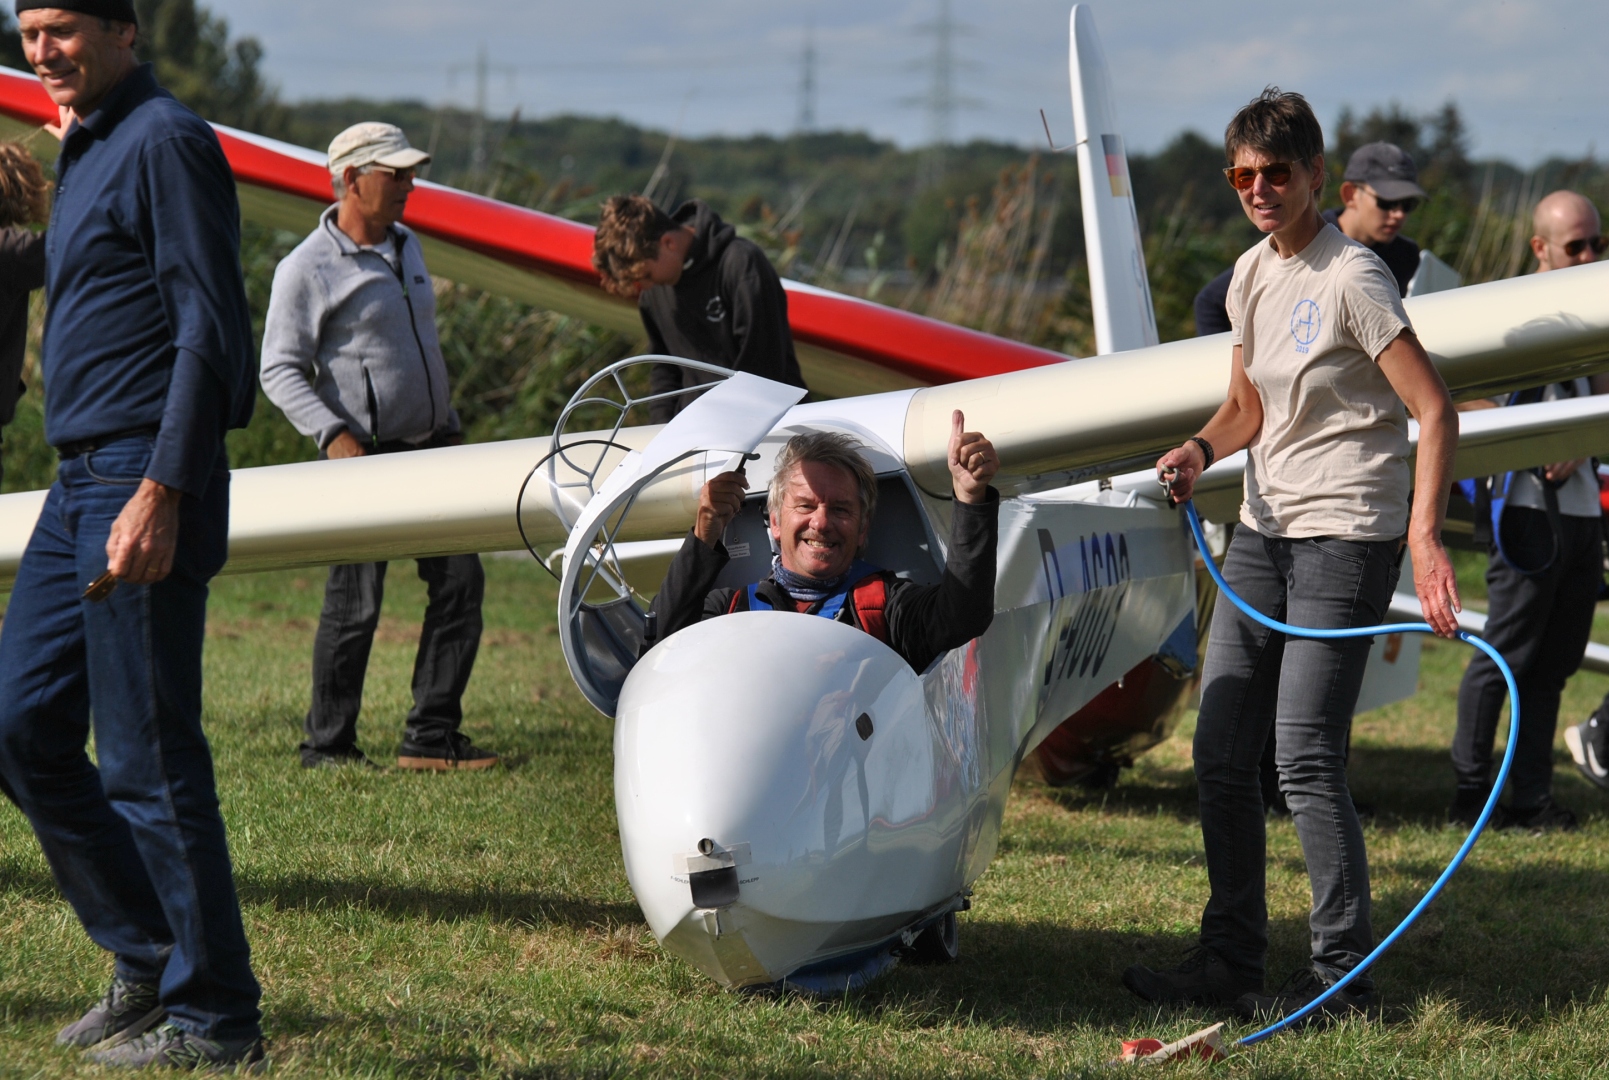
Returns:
<point x="820" y="505"/>
<point x="703" y="292"/>
<point x="1323" y="363"/>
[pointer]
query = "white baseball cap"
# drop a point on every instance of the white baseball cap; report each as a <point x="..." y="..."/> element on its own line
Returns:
<point x="373" y="144"/>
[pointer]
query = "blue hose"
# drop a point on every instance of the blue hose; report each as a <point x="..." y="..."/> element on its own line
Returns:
<point x="1480" y="822"/>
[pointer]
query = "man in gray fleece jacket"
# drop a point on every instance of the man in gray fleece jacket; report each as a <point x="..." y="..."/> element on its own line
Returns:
<point x="350" y="354"/>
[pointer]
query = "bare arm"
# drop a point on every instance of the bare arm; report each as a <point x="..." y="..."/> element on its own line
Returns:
<point x="1419" y="384"/>
<point x="1232" y="428"/>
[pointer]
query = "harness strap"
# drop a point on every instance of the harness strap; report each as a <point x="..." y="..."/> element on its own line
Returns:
<point x="868" y="597"/>
<point x="871" y="597"/>
<point x="1489" y="497"/>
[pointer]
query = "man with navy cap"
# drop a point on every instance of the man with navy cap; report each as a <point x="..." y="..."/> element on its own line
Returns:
<point x="1379" y="189"/>
<point x="147" y="364"/>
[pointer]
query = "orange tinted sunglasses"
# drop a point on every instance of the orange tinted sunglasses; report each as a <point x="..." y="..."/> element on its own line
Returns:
<point x="1242" y="177"/>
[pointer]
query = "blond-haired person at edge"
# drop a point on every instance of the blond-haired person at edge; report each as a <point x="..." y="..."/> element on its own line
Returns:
<point x="1324" y="373"/>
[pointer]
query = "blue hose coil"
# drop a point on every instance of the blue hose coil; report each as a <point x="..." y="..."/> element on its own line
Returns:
<point x="1480" y="822"/>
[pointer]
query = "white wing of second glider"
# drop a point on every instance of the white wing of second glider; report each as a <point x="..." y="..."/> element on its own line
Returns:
<point x="1119" y="290"/>
<point x="1433" y="275"/>
<point x="1490" y="441"/>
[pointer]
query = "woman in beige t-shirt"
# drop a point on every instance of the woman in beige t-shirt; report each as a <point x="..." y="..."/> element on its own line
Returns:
<point x="1324" y="373"/>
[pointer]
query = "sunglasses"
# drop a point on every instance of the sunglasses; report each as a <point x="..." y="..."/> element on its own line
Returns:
<point x="398" y="175"/>
<point x="1598" y="244"/>
<point x="1241" y="177"/>
<point x="1407" y="206"/>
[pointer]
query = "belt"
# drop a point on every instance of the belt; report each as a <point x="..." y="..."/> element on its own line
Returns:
<point x="70" y="450"/>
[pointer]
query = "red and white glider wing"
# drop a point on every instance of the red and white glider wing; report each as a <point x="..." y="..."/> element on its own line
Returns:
<point x="847" y="346"/>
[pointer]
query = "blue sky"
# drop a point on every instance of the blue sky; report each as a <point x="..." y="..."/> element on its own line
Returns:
<point x="1528" y="74"/>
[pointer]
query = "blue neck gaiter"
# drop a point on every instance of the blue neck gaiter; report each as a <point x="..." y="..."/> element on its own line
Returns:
<point x="803" y="586"/>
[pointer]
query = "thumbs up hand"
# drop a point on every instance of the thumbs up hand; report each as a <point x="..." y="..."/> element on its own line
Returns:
<point x="973" y="461"/>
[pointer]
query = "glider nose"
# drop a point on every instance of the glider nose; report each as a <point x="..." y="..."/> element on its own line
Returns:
<point x="781" y="792"/>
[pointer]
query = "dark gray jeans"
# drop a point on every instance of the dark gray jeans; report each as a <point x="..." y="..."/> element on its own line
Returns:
<point x="1254" y="678"/>
<point x="1540" y="623"/>
<point x="447" y="647"/>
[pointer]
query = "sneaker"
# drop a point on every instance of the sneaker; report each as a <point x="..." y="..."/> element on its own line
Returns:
<point x="128" y="1010"/>
<point x="1468" y="804"/>
<point x="1584" y="742"/>
<point x="1203" y="977"/>
<point x="1547" y="816"/>
<point x="1300" y="989"/>
<point x="319" y="759"/>
<point x="172" y="1047"/>
<point x="455" y="752"/>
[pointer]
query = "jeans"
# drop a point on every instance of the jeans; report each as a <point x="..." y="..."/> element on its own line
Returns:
<point x="447" y="647"/>
<point x="1540" y="623"/>
<point x="135" y="839"/>
<point x="1254" y="678"/>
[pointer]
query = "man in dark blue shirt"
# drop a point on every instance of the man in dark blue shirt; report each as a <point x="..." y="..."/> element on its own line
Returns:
<point x="147" y="364"/>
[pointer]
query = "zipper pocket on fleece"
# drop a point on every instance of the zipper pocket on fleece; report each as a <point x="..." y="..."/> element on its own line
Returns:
<point x="374" y="407"/>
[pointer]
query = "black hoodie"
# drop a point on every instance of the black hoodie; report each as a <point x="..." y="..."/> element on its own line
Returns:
<point x="727" y="309"/>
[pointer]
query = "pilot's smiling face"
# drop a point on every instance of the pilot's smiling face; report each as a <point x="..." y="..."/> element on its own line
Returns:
<point x="819" y="528"/>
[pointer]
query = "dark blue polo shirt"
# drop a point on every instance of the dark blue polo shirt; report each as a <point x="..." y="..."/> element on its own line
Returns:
<point x="147" y="325"/>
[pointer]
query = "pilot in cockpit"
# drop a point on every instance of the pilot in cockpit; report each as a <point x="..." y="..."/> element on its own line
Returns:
<point x="820" y="505"/>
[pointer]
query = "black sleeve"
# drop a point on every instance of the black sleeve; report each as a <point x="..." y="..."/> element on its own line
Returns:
<point x="1402" y="257"/>
<point x="22" y="260"/>
<point x="682" y="598"/>
<point x="662" y="378"/>
<point x="926" y="620"/>
<point x="759" y="314"/>
<point x="1212" y="305"/>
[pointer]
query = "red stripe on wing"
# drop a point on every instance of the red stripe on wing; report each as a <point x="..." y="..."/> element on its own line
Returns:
<point x="923" y="348"/>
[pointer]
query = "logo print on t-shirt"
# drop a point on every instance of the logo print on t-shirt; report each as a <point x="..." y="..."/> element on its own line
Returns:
<point x="715" y="311"/>
<point x="1305" y="324"/>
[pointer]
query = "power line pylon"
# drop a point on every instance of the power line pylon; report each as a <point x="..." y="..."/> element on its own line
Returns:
<point x="482" y="69"/>
<point x="807" y="83"/>
<point x="941" y="100"/>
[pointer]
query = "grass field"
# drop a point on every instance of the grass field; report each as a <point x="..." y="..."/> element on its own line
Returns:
<point x="481" y="925"/>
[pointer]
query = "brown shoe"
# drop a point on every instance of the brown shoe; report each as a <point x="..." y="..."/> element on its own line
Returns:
<point x="455" y="753"/>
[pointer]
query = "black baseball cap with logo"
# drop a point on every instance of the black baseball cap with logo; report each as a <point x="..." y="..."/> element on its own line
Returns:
<point x="1387" y="169"/>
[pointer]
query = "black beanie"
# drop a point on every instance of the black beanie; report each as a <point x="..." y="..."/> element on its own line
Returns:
<point x="121" y="10"/>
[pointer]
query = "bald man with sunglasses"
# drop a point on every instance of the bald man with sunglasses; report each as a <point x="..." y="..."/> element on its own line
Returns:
<point x="1568" y="232"/>
<point x="1542" y="590"/>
